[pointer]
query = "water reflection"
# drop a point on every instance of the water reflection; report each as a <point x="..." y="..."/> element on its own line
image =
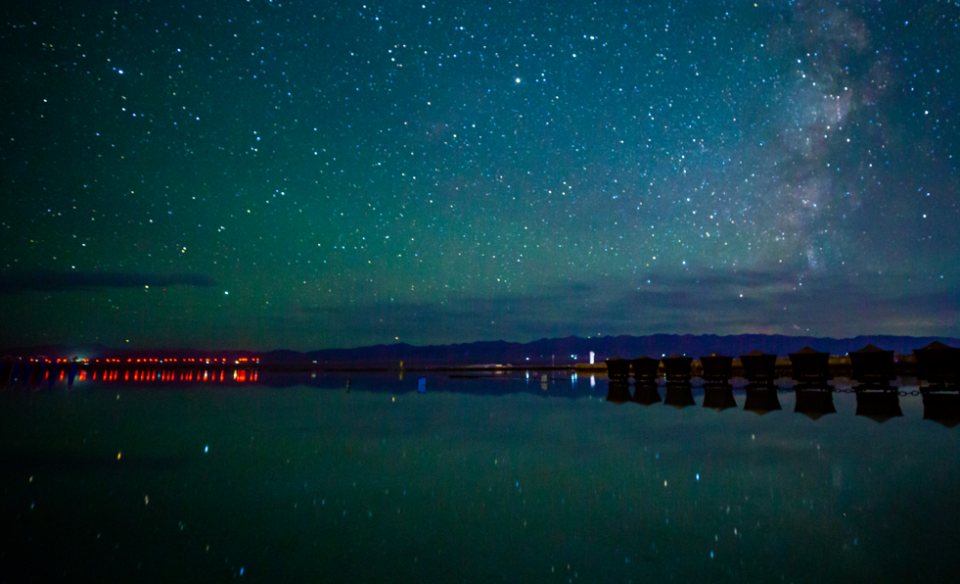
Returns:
<point x="761" y="400"/>
<point x="815" y="402"/>
<point x="646" y="394"/>
<point x="38" y="375"/>
<point x="679" y="395"/>
<point x="879" y="406"/>
<point x="363" y="481"/>
<point x="942" y="408"/>
<point x="718" y="397"/>
<point x="618" y="393"/>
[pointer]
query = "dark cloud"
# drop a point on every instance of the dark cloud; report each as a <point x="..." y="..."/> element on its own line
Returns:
<point x="51" y="281"/>
<point x="711" y="302"/>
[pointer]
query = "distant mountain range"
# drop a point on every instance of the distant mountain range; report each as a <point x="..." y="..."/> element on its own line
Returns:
<point x="544" y="352"/>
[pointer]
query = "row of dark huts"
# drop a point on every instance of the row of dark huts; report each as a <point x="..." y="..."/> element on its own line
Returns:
<point x="937" y="364"/>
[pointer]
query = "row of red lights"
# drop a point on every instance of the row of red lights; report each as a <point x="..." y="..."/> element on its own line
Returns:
<point x="114" y="375"/>
<point x="240" y="376"/>
<point x="37" y="360"/>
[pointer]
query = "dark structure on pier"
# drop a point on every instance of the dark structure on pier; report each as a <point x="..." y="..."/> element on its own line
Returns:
<point x="717" y="368"/>
<point x="810" y="366"/>
<point x="618" y="369"/>
<point x="6" y="370"/>
<point x="645" y="369"/>
<point x="872" y="366"/>
<point x="938" y="364"/>
<point x="759" y="368"/>
<point x="677" y="368"/>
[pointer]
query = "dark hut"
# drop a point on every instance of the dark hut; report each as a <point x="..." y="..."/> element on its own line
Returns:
<point x="718" y="398"/>
<point x="938" y="364"/>
<point x="759" y="368"/>
<point x="679" y="396"/>
<point x="810" y="366"/>
<point x="54" y="371"/>
<point x="677" y="368"/>
<point x="717" y="368"/>
<point x="942" y="408"/>
<point x="618" y="369"/>
<point x="646" y="394"/>
<point x="6" y="368"/>
<point x="872" y="366"/>
<point x="39" y="369"/>
<point x="26" y="372"/>
<point x="879" y="406"/>
<point x="618" y="392"/>
<point x="15" y="372"/>
<point x="645" y="369"/>
<point x="814" y="404"/>
<point x="762" y="401"/>
<point x="74" y="370"/>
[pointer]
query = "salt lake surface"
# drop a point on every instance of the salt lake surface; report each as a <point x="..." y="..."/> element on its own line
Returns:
<point x="475" y="480"/>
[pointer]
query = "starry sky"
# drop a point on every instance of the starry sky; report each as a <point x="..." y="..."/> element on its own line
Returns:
<point x="258" y="174"/>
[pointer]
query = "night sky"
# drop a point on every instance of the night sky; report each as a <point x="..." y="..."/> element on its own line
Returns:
<point x="262" y="175"/>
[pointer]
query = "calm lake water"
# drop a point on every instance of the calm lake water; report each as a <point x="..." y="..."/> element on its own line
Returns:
<point x="298" y="479"/>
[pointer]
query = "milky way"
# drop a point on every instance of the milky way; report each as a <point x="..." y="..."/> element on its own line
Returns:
<point x="310" y="175"/>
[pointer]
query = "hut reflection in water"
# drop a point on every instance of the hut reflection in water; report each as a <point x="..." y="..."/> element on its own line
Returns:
<point x="718" y="397"/>
<point x="679" y="395"/>
<point x="942" y="408"/>
<point x="815" y="402"/>
<point x="879" y="406"/>
<point x="618" y="392"/>
<point x="646" y="394"/>
<point x="762" y="400"/>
